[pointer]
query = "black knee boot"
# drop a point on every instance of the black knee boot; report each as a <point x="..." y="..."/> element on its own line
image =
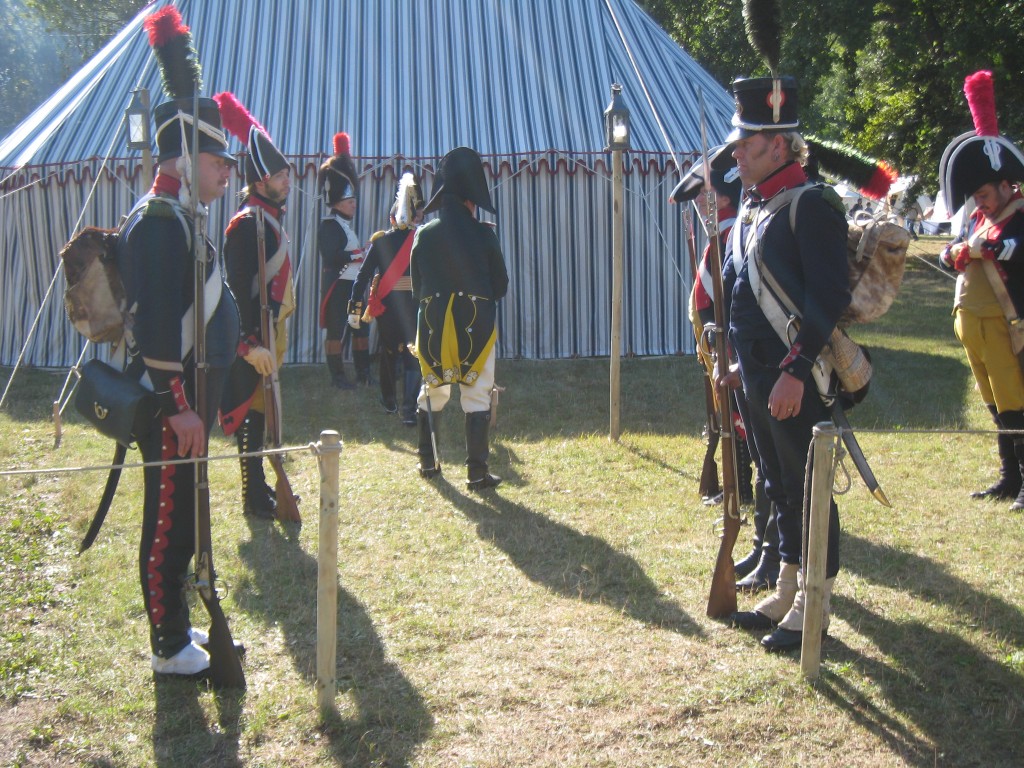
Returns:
<point x="1014" y="420"/>
<point x="412" y="381"/>
<point x="336" y="368"/>
<point x="762" y="511"/>
<point x="361" y="360"/>
<point x="430" y="465"/>
<point x="478" y="451"/>
<point x="766" y="574"/>
<point x="1008" y="486"/>
<point x="257" y="497"/>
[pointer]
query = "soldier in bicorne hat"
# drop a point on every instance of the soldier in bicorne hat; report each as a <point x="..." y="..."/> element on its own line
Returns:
<point x="808" y="261"/>
<point x="760" y="568"/>
<point x="156" y="263"/>
<point x="341" y="254"/>
<point x="267" y="182"/>
<point x="985" y="168"/>
<point x="458" y="276"/>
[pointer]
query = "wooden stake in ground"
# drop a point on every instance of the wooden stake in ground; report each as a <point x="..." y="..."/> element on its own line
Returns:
<point x="329" y="458"/>
<point x="823" y="470"/>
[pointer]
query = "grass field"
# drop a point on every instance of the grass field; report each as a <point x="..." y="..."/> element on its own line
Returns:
<point x="558" y="621"/>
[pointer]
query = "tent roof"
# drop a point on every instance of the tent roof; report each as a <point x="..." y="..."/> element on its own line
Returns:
<point x="402" y="77"/>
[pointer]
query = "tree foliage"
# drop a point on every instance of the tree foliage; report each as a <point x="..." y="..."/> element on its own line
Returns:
<point x="885" y="77"/>
<point x="44" y="41"/>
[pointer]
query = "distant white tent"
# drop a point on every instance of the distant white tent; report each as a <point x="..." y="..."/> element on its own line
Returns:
<point x="525" y="83"/>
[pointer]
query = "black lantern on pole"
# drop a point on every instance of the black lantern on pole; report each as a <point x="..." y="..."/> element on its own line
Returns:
<point x="616" y="122"/>
<point x="136" y="118"/>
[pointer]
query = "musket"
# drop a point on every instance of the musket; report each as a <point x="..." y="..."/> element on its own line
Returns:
<point x="708" y="487"/>
<point x="225" y="666"/>
<point x="722" y="596"/>
<point x="859" y="460"/>
<point x="287" y="507"/>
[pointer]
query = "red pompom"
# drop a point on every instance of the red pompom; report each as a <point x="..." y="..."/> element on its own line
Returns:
<point x="880" y="181"/>
<point x="341" y="144"/>
<point x="164" y="25"/>
<point x="981" y="98"/>
<point x="236" y="118"/>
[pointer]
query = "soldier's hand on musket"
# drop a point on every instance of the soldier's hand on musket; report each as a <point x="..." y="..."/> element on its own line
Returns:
<point x="786" y="396"/>
<point x="261" y="359"/>
<point x="188" y="428"/>
<point x="731" y="379"/>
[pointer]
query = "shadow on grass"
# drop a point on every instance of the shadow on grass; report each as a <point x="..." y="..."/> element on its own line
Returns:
<point x="930" y="581"/>
<point x="967" y="707"/>
<point x="181" y="731"/>
<point x="390" y="718"/>
<point x="568" y="563"/>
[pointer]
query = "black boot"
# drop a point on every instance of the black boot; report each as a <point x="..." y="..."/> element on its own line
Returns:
<point x="336" y="368"/>
<point x="1014" y="420"/>
<point x="429" y="466"/>
<point x="1008" y="486"/>
<point x="257" y="498"/>
<point x="766" y="574"/>
<point x="478" y="451"/>
<point x="413" y="380"/>
<point x="762" y="511"/>
<point x="361" y="360"/>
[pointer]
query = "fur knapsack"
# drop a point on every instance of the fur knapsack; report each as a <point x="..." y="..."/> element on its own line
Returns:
<point x="95" y="298"/>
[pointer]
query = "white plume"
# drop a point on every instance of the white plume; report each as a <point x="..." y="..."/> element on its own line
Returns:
<point x="405" y="210"/>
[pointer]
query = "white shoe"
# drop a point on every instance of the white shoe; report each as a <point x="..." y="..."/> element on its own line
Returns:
<point x="190" y="660"/>
<point x="199" y="636"/>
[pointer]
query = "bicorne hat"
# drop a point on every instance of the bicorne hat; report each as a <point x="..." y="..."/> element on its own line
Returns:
<point x="461" y="173"/>
<point x="981" y="156"/>
<point x="725" y="177"/>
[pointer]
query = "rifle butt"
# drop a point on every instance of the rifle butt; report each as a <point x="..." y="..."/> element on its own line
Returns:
<point x="287" y="502"/>
<point x="722" y="596"/>
<point x="225" y="666"/>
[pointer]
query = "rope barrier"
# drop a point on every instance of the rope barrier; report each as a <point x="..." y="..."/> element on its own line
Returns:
<point x="314" y="448"/>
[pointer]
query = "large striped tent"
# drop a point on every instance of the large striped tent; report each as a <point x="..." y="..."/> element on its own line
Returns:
<point x="525" y="83"/>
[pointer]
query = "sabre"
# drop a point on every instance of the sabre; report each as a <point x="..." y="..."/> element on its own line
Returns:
<point x="859" y="460"/>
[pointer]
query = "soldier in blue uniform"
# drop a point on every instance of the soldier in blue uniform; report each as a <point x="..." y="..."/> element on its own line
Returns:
<point x="155" y="258"/>
<point x="808" y="261"/>
<point x="458" y="276"/>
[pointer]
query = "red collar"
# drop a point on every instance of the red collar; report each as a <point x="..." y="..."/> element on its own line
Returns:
<point x="269" y="207"/>
<point x="727" y="212"/>
<point x="166" y="185"/>
<point x="789" y="176"/>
